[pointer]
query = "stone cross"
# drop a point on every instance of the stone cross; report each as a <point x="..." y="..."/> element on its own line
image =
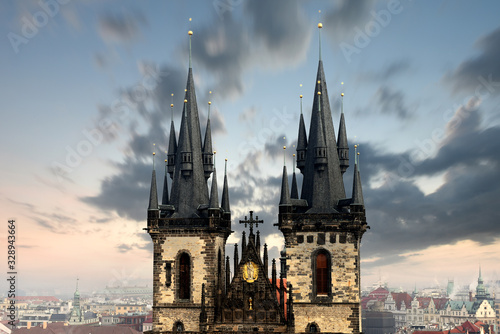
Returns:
<point x="251" y="222"/>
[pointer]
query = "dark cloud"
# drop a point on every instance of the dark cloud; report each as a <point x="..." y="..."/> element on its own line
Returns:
<point x="404" y="219"/>
<point x="479" y="75"/>
<point x="124" y="27"/>
<point x="341" y="22"/>
<point x="271" y="34"/>
<point x="125" y="193"/>
<point x="392" y="103"/>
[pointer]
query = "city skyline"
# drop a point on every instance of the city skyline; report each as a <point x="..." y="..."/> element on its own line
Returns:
<point x="87" y="94"/>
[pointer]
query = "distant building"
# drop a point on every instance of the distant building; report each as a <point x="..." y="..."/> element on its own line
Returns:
<point x="378" y="321"/>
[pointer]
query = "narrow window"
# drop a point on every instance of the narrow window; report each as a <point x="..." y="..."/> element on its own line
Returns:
<point x="321" y="274"/>
<point x="184" y="277"/>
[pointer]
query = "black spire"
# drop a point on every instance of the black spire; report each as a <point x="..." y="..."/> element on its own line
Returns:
<point x="285" y="192"/>
<point x="257" y="244"/>
<point x="164" y="198"/>
<point x="189" y="186"/>
<point x="214" y="194"/>
<point x="235" y="259"/>
<point x="153" y="194"/>
<point x="172" y="145"/>
<point x="228" y="274"/>
<point x="342" y="146"/>
<point x="243" y="242"/>
<point x="357" y="191"/>
<point x="301" y="142"/>
<point x="295" y="190"/>
<point x="266" y="262"/>
<point x="225" y="192"/>
<point x="208" y="165"/>
<point x="322" y="186"/>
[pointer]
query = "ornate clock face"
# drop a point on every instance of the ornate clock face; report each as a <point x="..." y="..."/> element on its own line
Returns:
<point x="250" y="271"/>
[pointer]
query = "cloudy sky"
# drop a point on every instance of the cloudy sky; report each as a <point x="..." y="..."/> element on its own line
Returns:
<point x="86" y="93"/>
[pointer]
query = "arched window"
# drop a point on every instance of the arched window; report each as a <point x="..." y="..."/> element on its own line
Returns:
<point x="322" y="271"/>
<point x="184" y="277"/>
<point x="312" y="328"/>
<point x="178" y="327"/>
<point x="219" y="268"/>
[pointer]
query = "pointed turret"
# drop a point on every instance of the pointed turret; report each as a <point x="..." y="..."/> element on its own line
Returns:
<point x="164" y="198"/>
<point x="214" y="193"/>
<point x="225" y="192"/>
<point x="295" y="191"/>
<point x="285" y="191"/>
<point x="301" y="142"/>
<point x="342" y="146"/>
<point x="235" y="258"/>
<point x="266" y="262"/>
<point x="357" y="191"/>
<point x="243" y="242"/>
<point x="228" y="274"/>
<point x="257" y="244"/>
<point x="153" y="193"/>
<point x="172" y="144"/>
<point x="208" y="163"/>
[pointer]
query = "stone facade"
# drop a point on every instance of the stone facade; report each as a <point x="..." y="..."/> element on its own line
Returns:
<point x="203" y="248"/>
<point x="322" y="231"/>
<point x="339" y="236"/>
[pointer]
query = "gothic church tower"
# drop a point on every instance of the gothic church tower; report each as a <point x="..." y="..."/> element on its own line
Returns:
<point x="323" y="228"/>
<point x="189" y="229"/>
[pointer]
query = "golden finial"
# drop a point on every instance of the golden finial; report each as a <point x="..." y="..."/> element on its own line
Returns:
<point x="171" y="105"/>
<point x="342" y="94"/>
<point x="294" y="155"/>
<point x="185" y="89"/>
<point x="190" y="33"/>
<point x="355" y="146"/>
<point x="319" y="93"/>
<point x="185" y="101"/>
<point x="165" y="160"/>
<point x="300" y="95"/>
<point x="320" y="25"/>
<point x="319" y="81"/>
<point x="284" y="147"/>
<point x="225" y="159"/>
<point x="209" y="103"/>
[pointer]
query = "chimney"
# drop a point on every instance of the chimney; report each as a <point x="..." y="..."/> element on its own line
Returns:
<point x="28" y="326"/>
<point x="44" y="326"/>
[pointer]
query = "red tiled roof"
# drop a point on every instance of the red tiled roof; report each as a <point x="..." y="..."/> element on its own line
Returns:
<point x="423" y="302"/>
<point x="440" y="303"/>
<point x="402" y="297"/>
<point x="379" y="292"/>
